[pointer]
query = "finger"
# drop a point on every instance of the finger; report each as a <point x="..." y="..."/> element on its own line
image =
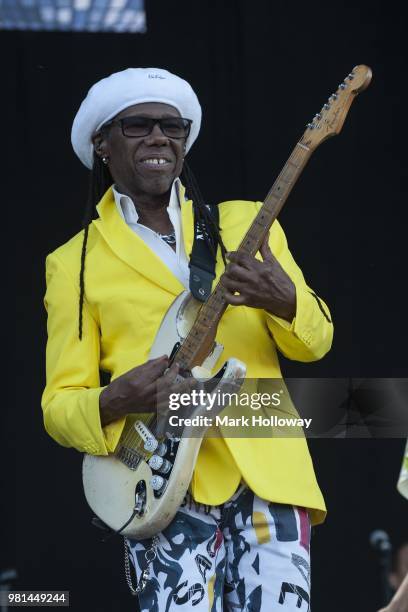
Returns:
<point x="171" y="373"/>
<point x="235" y="300"/>
<point x="265" y="249"/>
<point x="157" y="360"/>
<point x="177" y="385"/>
<point x="238" y="272"/>
<point x="162" y="381"/>
<point x="185" y="389"/>
<point x="153" y="368"/>
<point x="243" y="259"/>
<point x="232" y="285"/>
<point x="185" y="386"/>
<point x="177" y="390"/>
<point x="151" y="363"/>
<point x="168" y="377"/>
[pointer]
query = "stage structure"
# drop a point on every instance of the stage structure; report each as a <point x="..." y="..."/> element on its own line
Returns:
<point x="73" y="15"/>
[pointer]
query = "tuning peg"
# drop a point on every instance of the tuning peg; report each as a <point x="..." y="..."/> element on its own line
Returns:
<point x="326" y="106"/>
<point x="342" y="86"/>
<point x="333" y="97"/>
<point x="310" y="126"/>
<point x="318" y="116"/>
<point x="351" y="76"/>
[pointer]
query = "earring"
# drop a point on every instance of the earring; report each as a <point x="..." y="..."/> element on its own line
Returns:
<point x="105" y="160"/>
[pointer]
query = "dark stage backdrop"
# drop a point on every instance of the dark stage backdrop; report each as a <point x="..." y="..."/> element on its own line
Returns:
<point x="261" y="71"/>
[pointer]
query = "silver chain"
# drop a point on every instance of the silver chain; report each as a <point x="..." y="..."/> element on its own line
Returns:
<point x="169" y="238"/>
<point x="150" y="556"/>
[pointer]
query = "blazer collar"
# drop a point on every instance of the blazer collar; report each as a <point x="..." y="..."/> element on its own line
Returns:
<point x="131" y="249"/>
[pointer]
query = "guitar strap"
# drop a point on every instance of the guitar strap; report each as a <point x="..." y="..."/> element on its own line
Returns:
<point x="202" y="261"/>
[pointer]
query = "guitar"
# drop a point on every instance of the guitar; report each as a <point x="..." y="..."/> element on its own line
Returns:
<point x="137" y="490"/>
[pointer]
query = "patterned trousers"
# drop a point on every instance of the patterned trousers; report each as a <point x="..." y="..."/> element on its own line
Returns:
<point x="247" y="554"/>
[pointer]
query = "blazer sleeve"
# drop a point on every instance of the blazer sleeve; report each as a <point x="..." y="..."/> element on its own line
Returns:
<point x="309" y="336"/>
<point x="70" y="401"/>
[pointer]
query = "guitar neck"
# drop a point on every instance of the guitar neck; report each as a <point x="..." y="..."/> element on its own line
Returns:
<point x="199" y="340"/>
<point x="275" y="200"/>
<point x="326" y="123"/>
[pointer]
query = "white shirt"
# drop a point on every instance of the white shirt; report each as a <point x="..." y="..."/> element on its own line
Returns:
<point x="177" y="262"/>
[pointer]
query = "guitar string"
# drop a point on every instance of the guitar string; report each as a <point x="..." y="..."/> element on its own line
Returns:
<point x="298" y="158"/>
<point x="217" y="295"/>
<point x="132" y="439"/>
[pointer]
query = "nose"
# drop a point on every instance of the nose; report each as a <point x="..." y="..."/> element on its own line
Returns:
<point x="156" y="137"/>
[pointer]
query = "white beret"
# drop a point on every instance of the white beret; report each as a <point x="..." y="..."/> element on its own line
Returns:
<point x="120" y="90"/>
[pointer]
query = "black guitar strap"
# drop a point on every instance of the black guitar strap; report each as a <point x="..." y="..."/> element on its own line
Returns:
<point x="202" y="260"/>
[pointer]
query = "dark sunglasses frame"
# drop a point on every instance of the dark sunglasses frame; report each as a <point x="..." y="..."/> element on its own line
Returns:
<point x="150" y="123"/>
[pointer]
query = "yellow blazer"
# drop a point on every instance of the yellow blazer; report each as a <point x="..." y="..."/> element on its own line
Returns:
<point x="128" y="291"/>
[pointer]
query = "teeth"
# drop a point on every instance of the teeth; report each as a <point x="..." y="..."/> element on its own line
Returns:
<point x="156" y="161"/>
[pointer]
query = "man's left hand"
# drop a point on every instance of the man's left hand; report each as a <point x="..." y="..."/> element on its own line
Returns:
<point x="260" y="284"/>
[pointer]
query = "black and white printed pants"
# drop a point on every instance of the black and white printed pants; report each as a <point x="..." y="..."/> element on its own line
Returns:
<point x="248" y="554"/>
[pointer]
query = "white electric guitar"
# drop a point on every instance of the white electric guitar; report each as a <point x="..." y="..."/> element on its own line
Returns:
<point x="137" y="490"/>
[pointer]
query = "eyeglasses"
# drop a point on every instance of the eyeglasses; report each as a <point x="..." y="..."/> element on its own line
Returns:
<point x="137" y="126"/>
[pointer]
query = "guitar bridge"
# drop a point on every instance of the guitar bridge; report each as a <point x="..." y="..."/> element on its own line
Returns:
<point x="129" y="457"/>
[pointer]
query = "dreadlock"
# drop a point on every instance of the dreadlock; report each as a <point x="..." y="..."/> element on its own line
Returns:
<point x="203" y="212"/>
<point x="101" y="180"/>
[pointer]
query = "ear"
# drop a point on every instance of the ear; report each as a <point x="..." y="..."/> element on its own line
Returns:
<point x="100" y="144"/>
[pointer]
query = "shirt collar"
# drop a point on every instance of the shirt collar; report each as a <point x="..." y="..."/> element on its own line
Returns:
<point x="127" y="209"/>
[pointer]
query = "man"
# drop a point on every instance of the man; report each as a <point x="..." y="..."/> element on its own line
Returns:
<point x="399" y="576"/>
<point x="399" y="581"/>
<point x="242" y="536"/>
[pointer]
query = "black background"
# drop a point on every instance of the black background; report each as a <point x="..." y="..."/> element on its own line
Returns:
<point x="261" y="71"/>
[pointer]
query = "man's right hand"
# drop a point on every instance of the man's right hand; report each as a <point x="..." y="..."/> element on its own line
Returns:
<point x="136" y="390"/>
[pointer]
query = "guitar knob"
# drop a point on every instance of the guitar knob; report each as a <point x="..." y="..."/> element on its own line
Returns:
<point x="150" y="445"/>
<point x="157" y="482"/>
<point x="155" y="462"/>
<point x="159" y="464"/>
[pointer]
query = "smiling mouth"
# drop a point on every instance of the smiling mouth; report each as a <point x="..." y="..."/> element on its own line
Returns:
<point x="155" y="162"/>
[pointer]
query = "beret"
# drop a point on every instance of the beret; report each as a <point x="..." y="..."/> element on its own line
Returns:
<point x="113" y="94"/>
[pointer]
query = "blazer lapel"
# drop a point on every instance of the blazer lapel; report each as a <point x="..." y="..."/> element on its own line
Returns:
<point x="187" y="221"/>
<point x="131" y="249"/>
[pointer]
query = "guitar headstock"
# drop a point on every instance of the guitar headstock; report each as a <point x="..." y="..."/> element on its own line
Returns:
<point x="329" y="121"/>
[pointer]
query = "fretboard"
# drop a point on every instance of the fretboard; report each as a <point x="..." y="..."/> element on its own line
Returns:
<point x="210" y="313"/>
